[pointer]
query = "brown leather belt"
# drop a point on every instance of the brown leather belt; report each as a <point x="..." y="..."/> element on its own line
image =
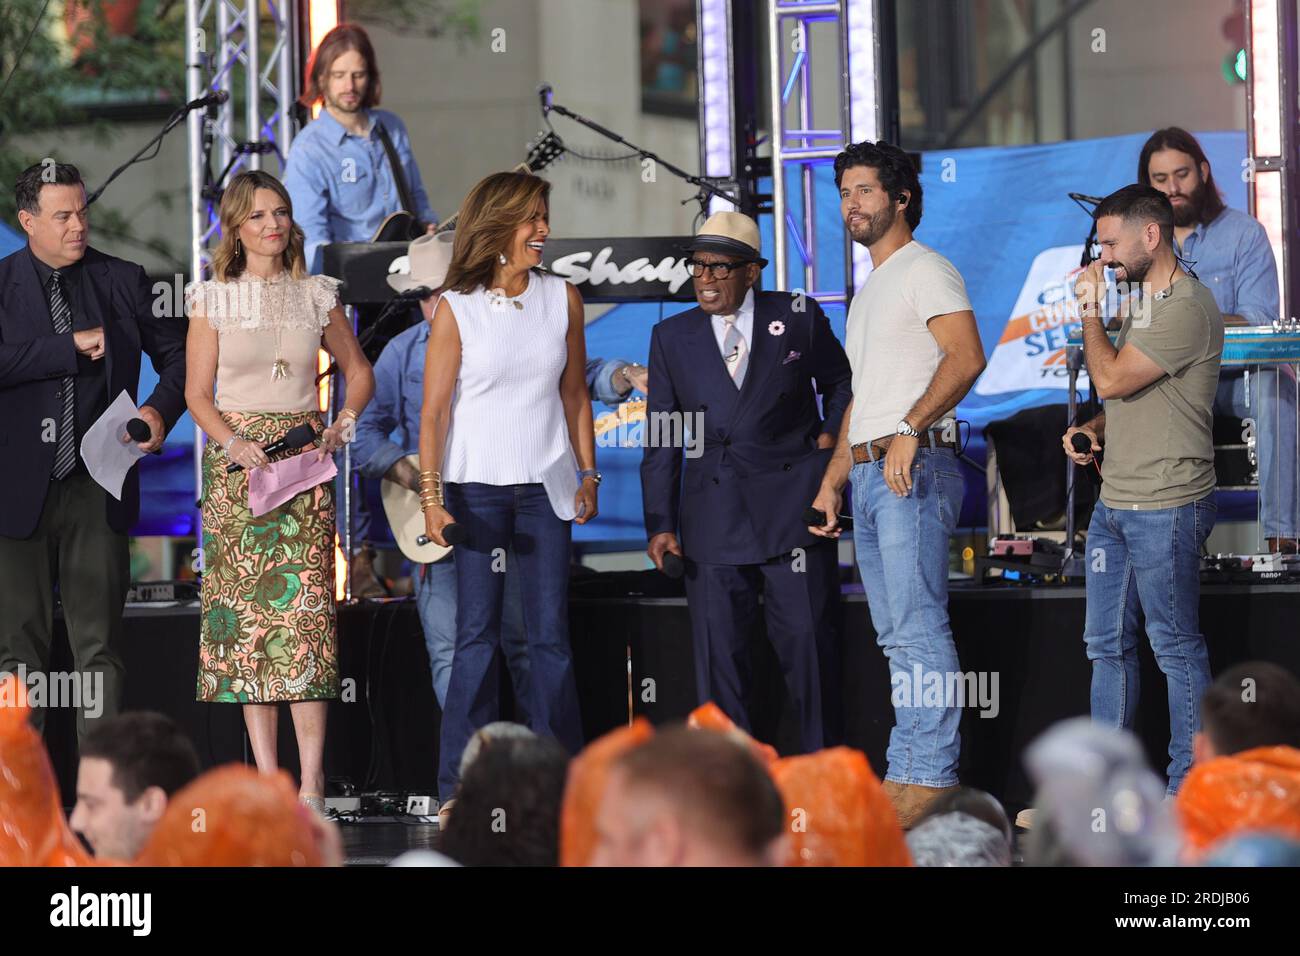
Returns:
<point x="873" y="450"/>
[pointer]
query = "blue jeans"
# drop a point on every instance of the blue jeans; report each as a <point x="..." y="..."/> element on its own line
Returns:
<point x="435" y="597"/>
<point x="1148" y="561"/>
<point x="1270" y="400"/>
<point x="902" y="550"/>
<point x="516" y="519"/>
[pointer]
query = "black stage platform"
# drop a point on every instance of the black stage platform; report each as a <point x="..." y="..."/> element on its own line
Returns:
<point x="385" y="736"/>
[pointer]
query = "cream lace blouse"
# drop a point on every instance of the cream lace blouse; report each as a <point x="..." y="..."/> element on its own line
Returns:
<point x="269" y="335"/>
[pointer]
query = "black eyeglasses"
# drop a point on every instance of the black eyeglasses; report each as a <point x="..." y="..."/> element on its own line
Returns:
<point x="720" y="270"/>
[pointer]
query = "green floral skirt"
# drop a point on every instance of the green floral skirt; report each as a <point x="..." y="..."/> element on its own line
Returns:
<point x="267" y="631"/>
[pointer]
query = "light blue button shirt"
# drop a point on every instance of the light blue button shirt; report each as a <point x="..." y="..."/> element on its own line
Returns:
<point x="1232" y="258"/>
<point x="342" y="186"/>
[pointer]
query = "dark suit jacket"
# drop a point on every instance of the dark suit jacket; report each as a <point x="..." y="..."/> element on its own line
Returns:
<point x="33" y="361"/>
<point x="741" y="501"/>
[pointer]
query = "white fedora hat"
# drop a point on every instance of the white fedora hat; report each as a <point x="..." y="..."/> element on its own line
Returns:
<point x="430" y="258"/>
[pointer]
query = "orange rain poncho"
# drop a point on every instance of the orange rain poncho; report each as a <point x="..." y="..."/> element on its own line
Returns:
<point x="234" y="816"/>
<point x="1255" y="790"/>
<point x="837" y="812"/>
<point x="709" y="716"/>
<point x="33" y="830"/>
<point x="585" y="786"/>
<point x="846" y="819"/>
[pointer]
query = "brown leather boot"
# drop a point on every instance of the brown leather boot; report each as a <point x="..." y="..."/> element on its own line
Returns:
<point x="911" y="799"/>
<point x="365" y="583"/>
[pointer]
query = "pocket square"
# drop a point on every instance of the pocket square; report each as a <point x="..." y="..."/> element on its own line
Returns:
<point x="275" y="484"/>
<point x="792" y="357"/>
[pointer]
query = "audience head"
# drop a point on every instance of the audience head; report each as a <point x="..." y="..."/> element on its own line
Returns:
<point x="1256" y="704"/>
<point x="490" y="733"/>
<point x="689" y="798"/>
<point x="131" y="766"/>
<point x="508" y="805"/>
<point x="1099" y="798"/>
<point x="963" y="827"/>
<point x="236" y="816"/>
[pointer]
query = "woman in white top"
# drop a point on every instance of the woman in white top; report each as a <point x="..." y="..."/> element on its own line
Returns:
<point x="507" y="453"/>
<point x="267" y="631"/>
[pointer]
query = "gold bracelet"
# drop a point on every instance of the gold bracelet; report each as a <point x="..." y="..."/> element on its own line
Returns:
<point x="349" y="412"/>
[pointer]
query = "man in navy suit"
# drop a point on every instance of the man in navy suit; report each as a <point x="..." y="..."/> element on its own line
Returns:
<point x="73" y="322"/>
<point x="742" y="372"/>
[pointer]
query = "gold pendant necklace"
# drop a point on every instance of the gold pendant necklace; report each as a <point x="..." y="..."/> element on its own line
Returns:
<point x="279" y="368"/>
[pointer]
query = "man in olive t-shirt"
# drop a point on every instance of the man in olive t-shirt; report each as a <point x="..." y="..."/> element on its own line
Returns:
<point x="1157" y="506"/>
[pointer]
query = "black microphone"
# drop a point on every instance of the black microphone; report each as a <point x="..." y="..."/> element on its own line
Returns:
<point x="1083" y="445"/>
<point x="140" y="431"/>
<point x="673" y="565"/>
<point x="212" y="99"/>
<point x="544" y="95"/>
<point x="453" y="534"/>
<point x="296" y="437"/>
<point x="418" y="294"/>
<point x="816" y="518"/>
<point x="1083" y="197"/>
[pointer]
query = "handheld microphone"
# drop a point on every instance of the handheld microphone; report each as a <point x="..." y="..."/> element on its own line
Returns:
<point x="140" y="431"/>
<point x="1083" y="445"/>
<point x="212" y="99"/>
<point x="816" y="518"/>
<point x="544" y="96"/>
<point x="296" y="437"/>
<point x="453" y="534"/>
<point x="418" y="294"/>
<point x="673" y="566"/>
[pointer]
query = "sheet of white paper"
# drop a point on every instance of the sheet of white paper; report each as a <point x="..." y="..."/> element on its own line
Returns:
<point x="107" y="457"/>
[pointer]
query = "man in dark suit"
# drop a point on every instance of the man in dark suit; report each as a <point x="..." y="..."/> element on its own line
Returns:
<point x="741" y="373"/>
<point x="73" y="322"/>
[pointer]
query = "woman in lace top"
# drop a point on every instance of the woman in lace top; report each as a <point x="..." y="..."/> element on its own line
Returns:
<point x="267" y="632"/>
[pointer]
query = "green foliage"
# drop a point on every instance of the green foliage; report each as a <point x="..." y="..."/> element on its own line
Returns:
<point x="50" y="94"/>
<point x="457" y="19"/>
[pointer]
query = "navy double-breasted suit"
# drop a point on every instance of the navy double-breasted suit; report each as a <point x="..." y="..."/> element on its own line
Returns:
<point x="736" y="500"/>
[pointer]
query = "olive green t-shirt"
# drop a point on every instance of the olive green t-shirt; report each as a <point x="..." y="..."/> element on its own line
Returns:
<point x="1159" y="441"/>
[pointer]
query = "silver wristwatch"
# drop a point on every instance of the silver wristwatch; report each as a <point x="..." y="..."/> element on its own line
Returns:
<point x="906" y="429"/>
<point x="591" y="473"/>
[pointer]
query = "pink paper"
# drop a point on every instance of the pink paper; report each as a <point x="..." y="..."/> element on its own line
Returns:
<point x="272" y="486"/>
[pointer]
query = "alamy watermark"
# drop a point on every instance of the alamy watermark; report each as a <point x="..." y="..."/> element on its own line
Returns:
<point x="922" y="688"/>
<point x="631" y="429"/>
<point x="83" y="690"/>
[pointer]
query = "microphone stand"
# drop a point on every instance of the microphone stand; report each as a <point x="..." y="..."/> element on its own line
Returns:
<point x="708" y="188"/>
<point x="172" y="122"/>
<point x="388" y="311"/>
<point x="1074" y="565"/>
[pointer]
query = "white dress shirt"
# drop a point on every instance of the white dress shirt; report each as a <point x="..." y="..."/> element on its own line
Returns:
<point x="744" y="324"/>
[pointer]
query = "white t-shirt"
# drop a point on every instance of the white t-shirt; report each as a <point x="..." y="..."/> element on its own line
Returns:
<point x="888" y="340"/>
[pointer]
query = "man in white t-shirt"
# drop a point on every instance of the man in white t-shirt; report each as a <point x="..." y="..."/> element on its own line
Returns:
<point x="915" y="351"/>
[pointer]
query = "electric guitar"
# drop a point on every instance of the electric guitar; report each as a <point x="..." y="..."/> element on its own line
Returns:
<point x="402" y="226"/>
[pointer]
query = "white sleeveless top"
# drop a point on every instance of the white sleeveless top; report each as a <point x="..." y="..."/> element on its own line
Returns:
<point x="507" y="419"/>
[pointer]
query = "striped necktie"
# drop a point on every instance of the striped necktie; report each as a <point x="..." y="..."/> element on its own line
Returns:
<point x="735" y="351"/>
<point x="65" y="455"/>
